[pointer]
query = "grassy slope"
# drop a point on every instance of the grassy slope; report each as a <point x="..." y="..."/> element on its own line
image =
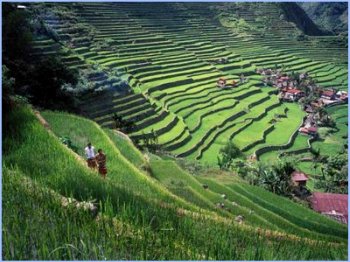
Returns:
<point x="120" y="169"/>
<point x="127" y="148"/>
<point x="283" y="221"/>
<point x="265" y="213"/>
<point x="148" y="228"/>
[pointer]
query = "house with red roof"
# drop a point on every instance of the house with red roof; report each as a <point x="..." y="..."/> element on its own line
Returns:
<point x="328" y="94"/>
<point x="332" y="205"/>
<point x="312" y="130"/>
<point x="292" y="94"/>
<point x="299" y="178"/>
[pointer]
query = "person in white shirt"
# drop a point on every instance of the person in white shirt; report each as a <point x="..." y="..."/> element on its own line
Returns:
<point x="90" y="155"/>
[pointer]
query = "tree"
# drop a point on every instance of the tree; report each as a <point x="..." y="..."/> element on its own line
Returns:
<point x="275" y="178"/>
<point x="7" y="89"/>
<point x="283" y="171"/>
<point x="150" y="141"/>
<point x="324" y="118"/>
<point x="45" y="84"/>
<point x="16" y="33"/>
<point x="122" y="124"/>
<point x="118" y="121"/>
<point x="39" y="79"/>
<point x="228" y="153"/>
<point x="334" y="177"/>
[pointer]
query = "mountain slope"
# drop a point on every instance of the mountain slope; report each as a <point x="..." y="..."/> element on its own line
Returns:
<point x="138" y="217"/>
<point x="298" y="16"/>
<point x="332" y="17"/>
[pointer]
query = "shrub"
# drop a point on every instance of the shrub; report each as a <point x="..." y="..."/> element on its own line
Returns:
<point x="68" y="142"/>
<point x="229" y="152"/>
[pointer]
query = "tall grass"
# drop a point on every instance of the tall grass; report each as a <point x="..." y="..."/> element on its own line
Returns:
<point x="298" y="215"/>
<point x="284" y="223"/>
<point x="131" y="224"/>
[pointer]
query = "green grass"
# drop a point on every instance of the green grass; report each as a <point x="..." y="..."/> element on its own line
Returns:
<point x="153" y="209"/>
<point x="142" y="222"/>
<point x="126" y="148"/>
<point x="301" y="216"/>
<point x="120" y="169"/>
<point x="283" y="223"/>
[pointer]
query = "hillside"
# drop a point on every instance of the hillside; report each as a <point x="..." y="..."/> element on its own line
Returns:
<point x="332" y="17"/>
<point x="157" y="66"/>
<point x="219" y="122"/>
<point x="138" y="213"/>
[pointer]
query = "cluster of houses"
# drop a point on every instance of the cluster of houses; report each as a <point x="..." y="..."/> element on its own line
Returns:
<point x="287" y="85"/>
<point x="293" y="88"/>
<point x="325" y="98"/>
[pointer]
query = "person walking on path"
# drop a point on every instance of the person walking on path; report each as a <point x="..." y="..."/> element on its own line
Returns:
<point x="101" y="161"/>
<point x="90" y="156"/>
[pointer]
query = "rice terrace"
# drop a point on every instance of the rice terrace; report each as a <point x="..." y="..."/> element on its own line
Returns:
<point x="175" y="131"/>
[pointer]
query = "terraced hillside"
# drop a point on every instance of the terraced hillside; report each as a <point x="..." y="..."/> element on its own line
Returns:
<point x="146" y="208"/>
<point x="158" y="63"/>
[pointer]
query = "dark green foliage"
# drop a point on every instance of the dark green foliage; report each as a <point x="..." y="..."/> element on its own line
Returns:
<point x="118" y="121"/>
<point x="334" y="177"/>
<point x="324" y="119"/>
<point x="16" y="33"/>
<point x="68" y="142"/>
<point x="7" y="89"/>
<point x="151" y="141"/>
<point x="331" y="16"/>
<point x="121" y="124"/>
<point x="228" y="153"/>
<point x="39" y="79"/>
<point x="46" y="80"/>
<point x="275" y="178"/>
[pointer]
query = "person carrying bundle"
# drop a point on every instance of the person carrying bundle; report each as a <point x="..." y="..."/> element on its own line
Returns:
<point x="101" y="160"/>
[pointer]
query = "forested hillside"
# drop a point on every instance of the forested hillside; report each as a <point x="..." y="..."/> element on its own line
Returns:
<point x="332" y="17"/>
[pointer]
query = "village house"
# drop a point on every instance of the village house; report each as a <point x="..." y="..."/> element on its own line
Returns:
<point x="299" y="178"/>
<point x="332" y="205"/>
<point x="328" y="94"/>
<point x="342" y="96"/>
<point x="221" y="82"/>
<point x="317" y="104"/>
<point x="309" y="121"/>
<point x="292" y="94"/>
<point x="312" y="130"/>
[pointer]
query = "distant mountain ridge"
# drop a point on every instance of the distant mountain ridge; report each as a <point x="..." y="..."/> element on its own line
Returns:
<point x="294" y="13"/>
<point x="330" y="16"/>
